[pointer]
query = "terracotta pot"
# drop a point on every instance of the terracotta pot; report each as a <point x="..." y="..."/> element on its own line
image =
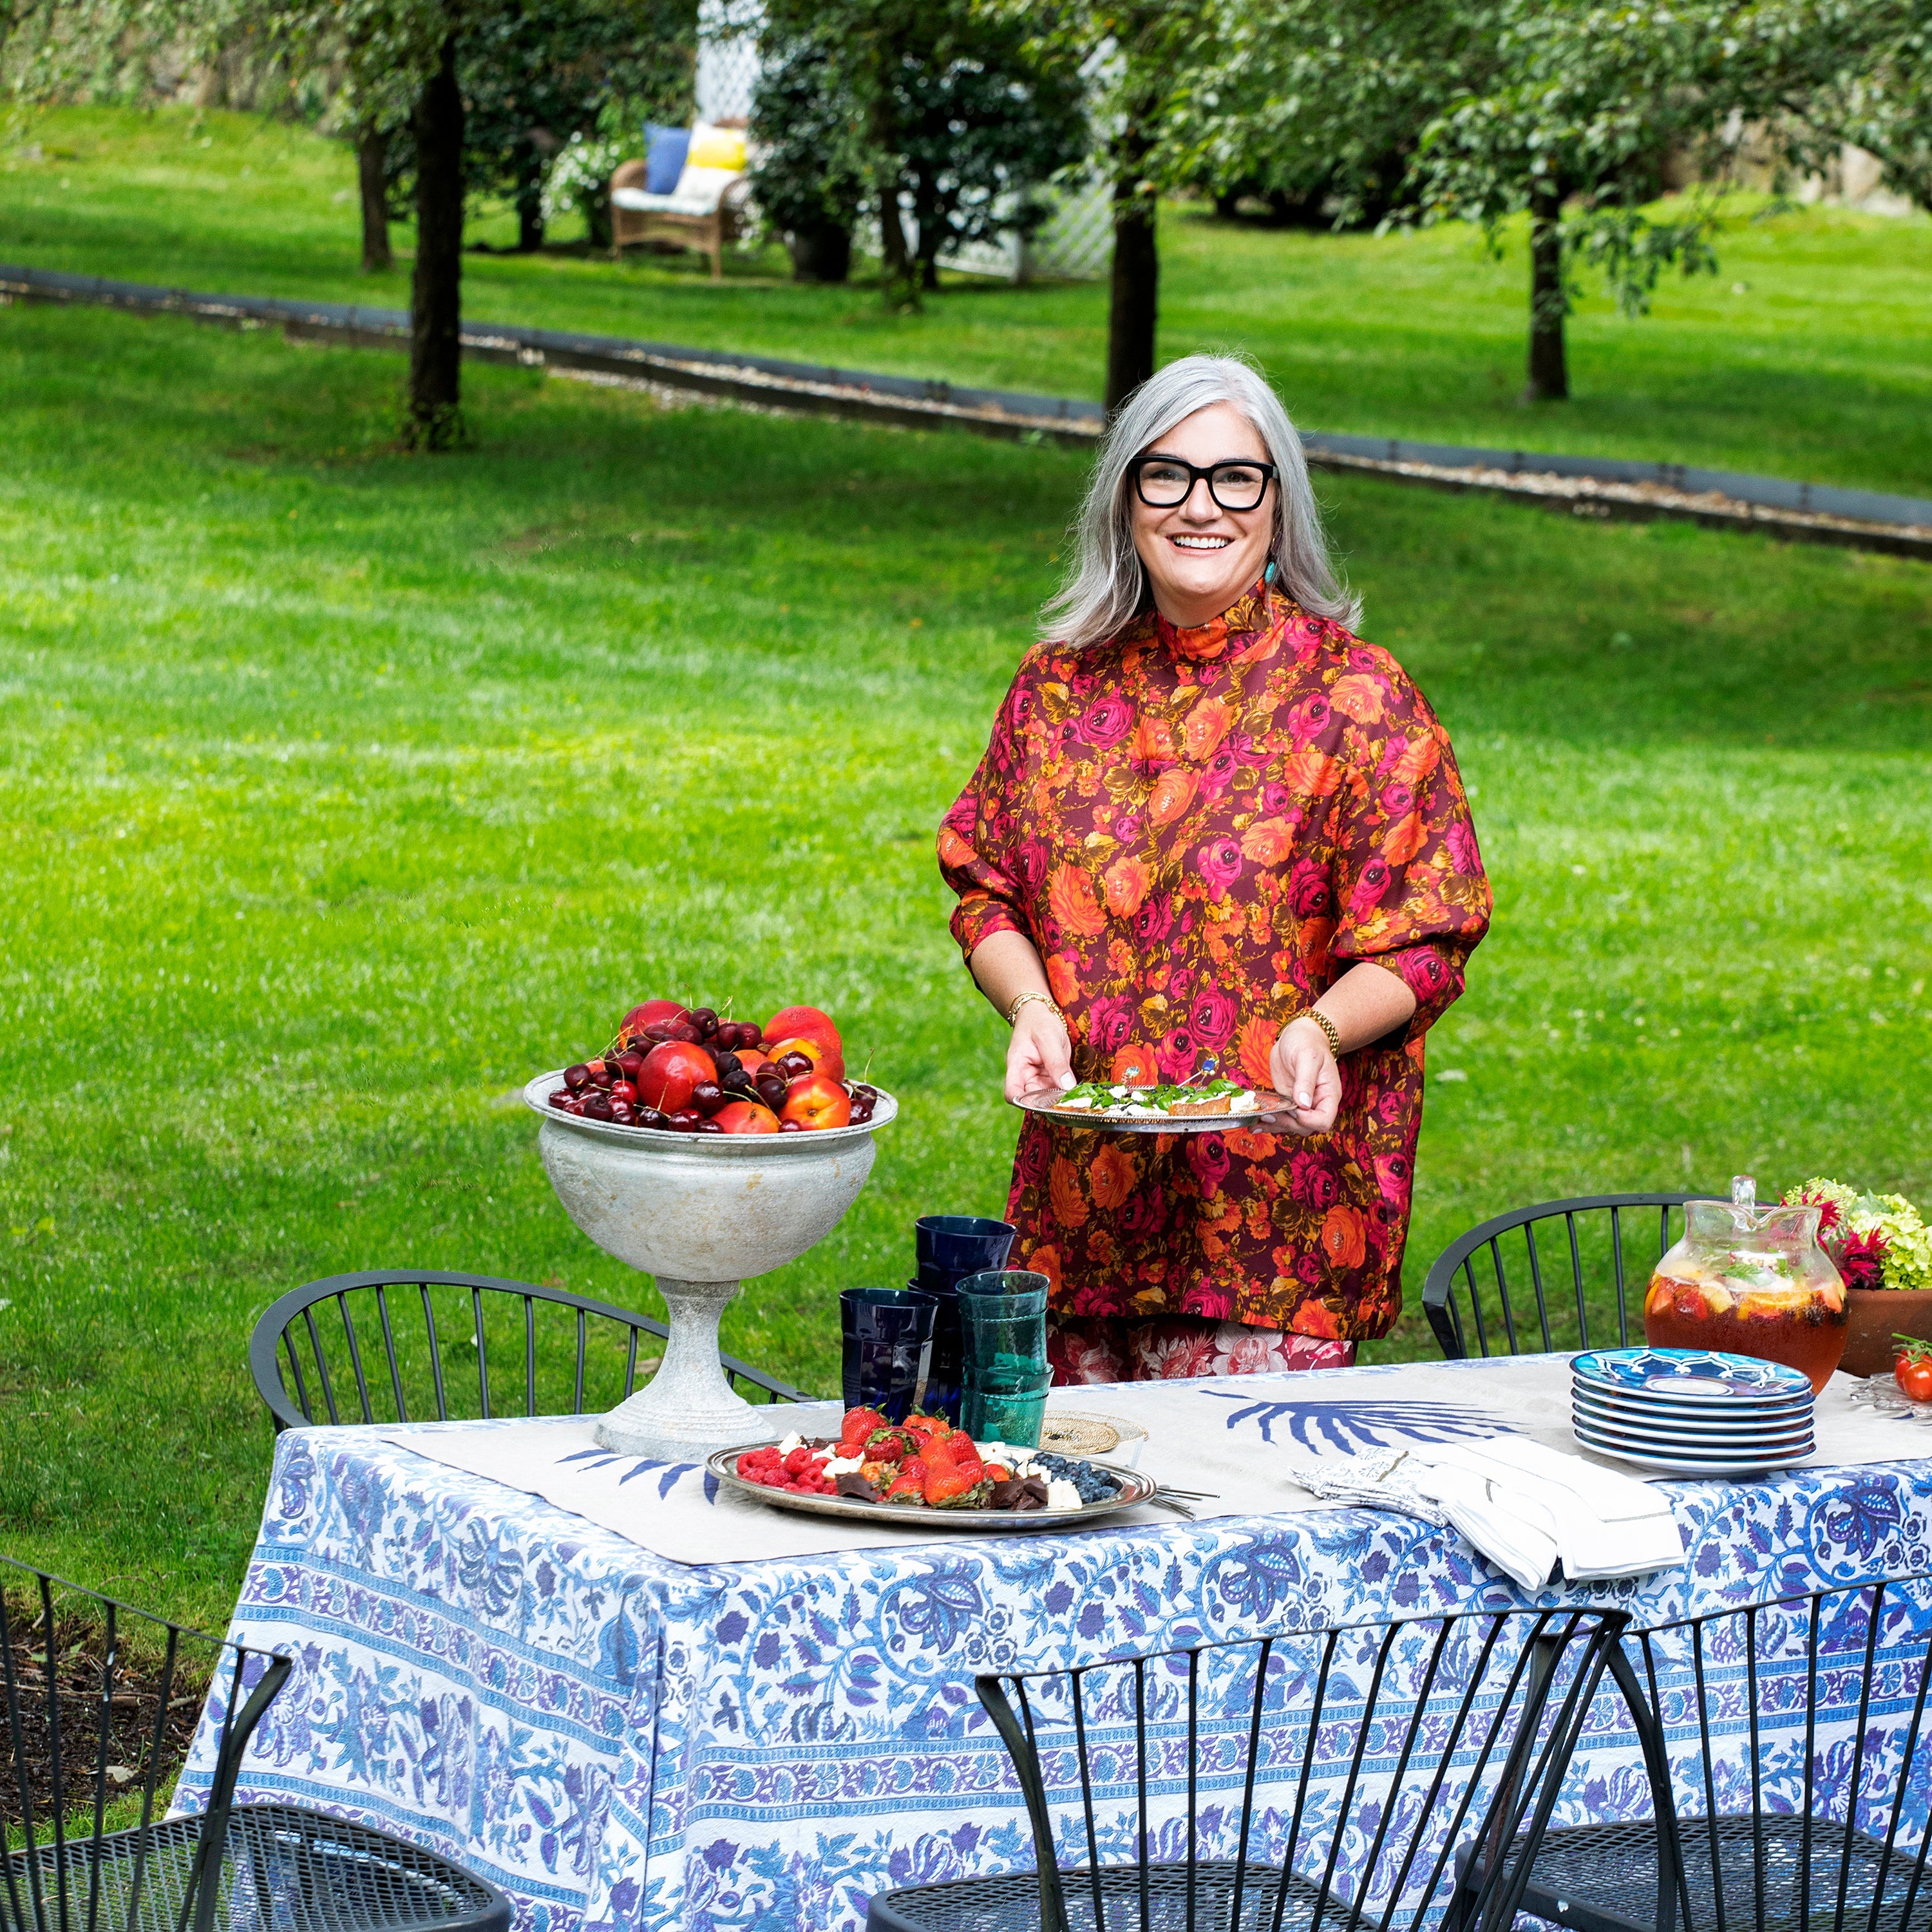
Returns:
<point x="1876" y="1315"/>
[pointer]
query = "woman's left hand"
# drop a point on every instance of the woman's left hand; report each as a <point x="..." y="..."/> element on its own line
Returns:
<point x="1303" y="1067"/>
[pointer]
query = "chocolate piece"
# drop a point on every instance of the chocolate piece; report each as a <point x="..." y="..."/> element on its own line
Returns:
<point x="851" y="1483"/>
<point x="1006" y="1496"/>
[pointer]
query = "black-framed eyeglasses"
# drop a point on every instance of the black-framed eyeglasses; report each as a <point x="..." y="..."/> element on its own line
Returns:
<point x="1162" y="482"/>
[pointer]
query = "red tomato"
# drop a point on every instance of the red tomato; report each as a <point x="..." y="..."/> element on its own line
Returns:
<point x="1914" y="1376"/>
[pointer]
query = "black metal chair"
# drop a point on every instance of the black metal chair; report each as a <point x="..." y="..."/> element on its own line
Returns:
<point x="102" y="1701"/>
<point x="1790" y="1769"/>
<point x="392" y="1369"/>
<point x="1373" y="1774"/>
<point x="1591" y="1265"/>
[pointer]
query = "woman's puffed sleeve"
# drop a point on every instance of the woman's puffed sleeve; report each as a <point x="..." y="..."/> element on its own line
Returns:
<point x="1410" y="890"/>
<point x="973" y="837"/>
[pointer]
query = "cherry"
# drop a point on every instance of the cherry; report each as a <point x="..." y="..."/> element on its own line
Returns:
<point x="602" y="1072"/>
<point x="685" y="1120"/>
<point x="688" y="1033"/>
<point x="597" y="1107"/>
<point x="662" y="1030"/>
<point x="790" y="1127"/>
<point x="792" y="1064"/>
<point x="623" y="1113"/>
<point x="728" y="1062"/>
<point x="773" y="1093"/>
<point x="749" y="1034"/>
<point x="710" y="1127"/>
<point x="862" y="1112"/>
<point x="704" y="1019"/>
<point x="625" y="1090"/>
<point x="577" y="1078"/>
<point x="707" y="1097"/>
<point x="738" y="1082"/>
<point x="632" y="1062"/>
<point x="561" y="1097"/>
<point x="649" y="1117"/>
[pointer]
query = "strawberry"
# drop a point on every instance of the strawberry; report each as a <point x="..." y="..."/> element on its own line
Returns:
<point x="859" y="1424"/>
<point x="923" y="1426"/>
<point x="891" y="1445"/>
<point x="960" y="1447"/>
<point x="948" y="1486"/>
<point x="998" y="1472"/>
<point x="909" y="1485"/>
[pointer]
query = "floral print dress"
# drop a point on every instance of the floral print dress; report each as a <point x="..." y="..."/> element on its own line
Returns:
<point x="1200" y="830"/>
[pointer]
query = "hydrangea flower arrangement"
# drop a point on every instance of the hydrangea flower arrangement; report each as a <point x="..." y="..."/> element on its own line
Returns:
<point x="1876" y="1240"/>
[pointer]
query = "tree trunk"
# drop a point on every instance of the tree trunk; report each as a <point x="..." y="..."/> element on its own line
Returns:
<point x="372" y="160"/>
<point x="436" y="349"/>
<point x="900" y="270"/>
<point x="529" y="199"/>
<point x="1134" y="305"/>
<point x="1549" y="374"/>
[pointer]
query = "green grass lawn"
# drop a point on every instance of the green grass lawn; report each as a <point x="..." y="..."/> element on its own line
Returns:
<point x="340" y="791"/>
<point x="1809" y="356"/>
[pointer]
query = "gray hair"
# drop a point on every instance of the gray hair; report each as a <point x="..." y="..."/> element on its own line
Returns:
<point x="1106" y="586"/>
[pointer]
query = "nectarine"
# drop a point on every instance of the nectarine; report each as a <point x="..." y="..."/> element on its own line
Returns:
<point x="825" y="1055"/>
<point x="790" y="1022"/>
<point x="652" y="1013"/>
<point x="814" y="1102"/>
<point x="670" y="1072"/>
<point x="746" y="1116"/>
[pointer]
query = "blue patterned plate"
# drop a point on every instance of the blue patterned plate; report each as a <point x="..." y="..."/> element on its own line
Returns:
<point x="1723" y="1425"/>
<point x="1673" y="1463"/>
<point x="1686" y="1375"/>
<point x="1672" y="1441"/>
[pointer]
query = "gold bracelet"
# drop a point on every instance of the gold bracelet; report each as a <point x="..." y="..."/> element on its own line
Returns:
<point x="1045" y="999"/>
<point x="1326" y="1025"/>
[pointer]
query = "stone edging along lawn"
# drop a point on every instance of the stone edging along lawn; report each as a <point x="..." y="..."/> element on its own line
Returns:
<point x="1588" y="487"/>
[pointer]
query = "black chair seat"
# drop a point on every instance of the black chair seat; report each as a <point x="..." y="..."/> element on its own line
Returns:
<point x="290" y="1870"/>
<point x="1604" y="1878"/>
<point x="1011" y="1903"/>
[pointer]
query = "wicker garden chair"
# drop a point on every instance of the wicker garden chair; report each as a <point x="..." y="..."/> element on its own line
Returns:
<point x="1367" y="1775"/>
<point x="101" y="1700"/>
<point x="1789" y="1763"/>
<point x="393" y="1367"/>
<point x="1455" y="1309"/>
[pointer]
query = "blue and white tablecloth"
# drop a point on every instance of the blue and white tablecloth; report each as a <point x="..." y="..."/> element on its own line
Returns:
<point x="620" y="1740"/>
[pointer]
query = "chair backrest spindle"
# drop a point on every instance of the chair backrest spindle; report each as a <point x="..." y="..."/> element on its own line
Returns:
<point x="1452" y="1298"/>
<point x="553" y="1354"/>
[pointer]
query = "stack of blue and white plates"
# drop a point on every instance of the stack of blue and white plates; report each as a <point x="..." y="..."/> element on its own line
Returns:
<point x="1693" y="1411"/>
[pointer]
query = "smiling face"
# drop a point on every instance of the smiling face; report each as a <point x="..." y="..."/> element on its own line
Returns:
<point x="1199" y="556"/>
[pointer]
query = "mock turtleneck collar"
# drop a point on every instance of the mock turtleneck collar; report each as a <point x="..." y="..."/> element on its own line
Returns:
<point x="1250" y="613"/>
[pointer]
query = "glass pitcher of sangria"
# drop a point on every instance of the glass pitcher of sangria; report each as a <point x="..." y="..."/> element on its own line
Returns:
<point x="1751" y="1280"/>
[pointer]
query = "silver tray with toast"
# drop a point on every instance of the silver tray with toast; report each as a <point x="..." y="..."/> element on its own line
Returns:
<point x="1270" y="1115"/>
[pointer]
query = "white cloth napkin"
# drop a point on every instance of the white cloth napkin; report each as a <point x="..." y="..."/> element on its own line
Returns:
<point x="1532" y="1510"/>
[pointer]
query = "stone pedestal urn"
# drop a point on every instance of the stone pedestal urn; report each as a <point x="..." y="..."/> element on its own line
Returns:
<point x="702" y="1213"/>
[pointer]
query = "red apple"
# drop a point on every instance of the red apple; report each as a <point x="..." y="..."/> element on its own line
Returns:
<point x="746" y="1116"/>
<point x="825" y="1055"/>
<point x="814" y="1102"/>
<point x="791" y="1021"/>
<point x="652" y="1013"/>
<point x="669" y="1073"/>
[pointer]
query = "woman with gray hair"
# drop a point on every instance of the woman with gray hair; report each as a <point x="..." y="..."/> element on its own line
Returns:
<point x="1213" y="826"/>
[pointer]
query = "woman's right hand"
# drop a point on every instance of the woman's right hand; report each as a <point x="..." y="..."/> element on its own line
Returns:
<point x="1039" y="1054"/>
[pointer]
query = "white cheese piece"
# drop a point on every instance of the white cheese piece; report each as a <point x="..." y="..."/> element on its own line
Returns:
<point x="793" y="1441"/>
<point x="843" y="1466"/>
<point x="1244" y="1103"/>
<point x="1073" y="1106"/>
<point x="1061" y="1494"/>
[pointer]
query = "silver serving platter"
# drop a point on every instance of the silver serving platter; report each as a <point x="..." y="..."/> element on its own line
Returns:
<point x="725" y="1147"/>
<point x="1045" y="1100"/>
<point x="1135" y="1489"/>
